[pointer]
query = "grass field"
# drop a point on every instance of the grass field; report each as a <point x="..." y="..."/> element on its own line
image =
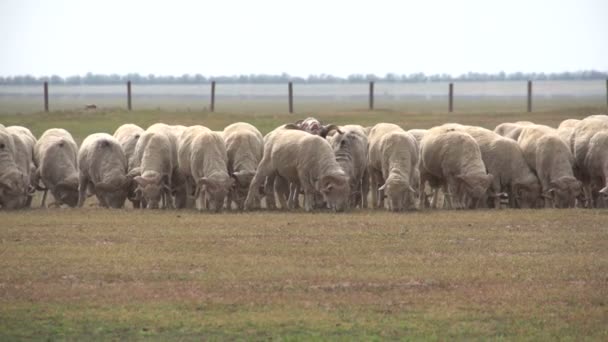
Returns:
<point x="365" y="275"/>
<point x="435" y="275"/>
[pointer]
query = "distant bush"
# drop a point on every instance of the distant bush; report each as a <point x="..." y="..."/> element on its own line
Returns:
<point x="98" y="79"/>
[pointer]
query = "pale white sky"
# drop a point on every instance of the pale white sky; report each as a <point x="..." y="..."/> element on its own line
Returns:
<point x="224" y="37"/>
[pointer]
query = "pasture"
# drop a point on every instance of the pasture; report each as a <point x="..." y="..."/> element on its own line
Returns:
<point x="89" y="273"/>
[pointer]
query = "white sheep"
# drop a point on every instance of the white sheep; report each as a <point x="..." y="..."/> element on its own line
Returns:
<point x="13" y="181"/>
<point x="103" y="170"/>
<point x="590" y="149"/>
<point x="152" y="166"/>
<point x="55" y="155"/>
<point x="452" y="159"/>
<point x="244" y="148"/>
<point x="203" y="161"/>
<point x="393" y="161"/>
<point x="351" y="149"/>
<point x="549" y="156"/>
<point x="306" y="160"/>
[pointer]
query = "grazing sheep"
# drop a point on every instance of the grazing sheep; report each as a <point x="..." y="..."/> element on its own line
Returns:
<point x="549" y="156"/>
<point x="590" y="149"/>
<point x="418" y="134"/>
<point x="13" y="181"/>
<point x="244" y="147"/>
<point x="55" y="155"/>
<point x="564" y="131"/>
<point x="24" y="142"/>
<point x="305" y="160"/>
<point x="505" y="161"/>
<point x="203" y="162"/>
<point x="127" y="136"/>
<point x="393" y="161"/>
<point x="152" y="165"/>
<point x="315" y="127"/>
<point x="351" y="149"/>
<point x="452" y="159"/>
<point x="511" y="130"/>
<point x="103" y="170"/>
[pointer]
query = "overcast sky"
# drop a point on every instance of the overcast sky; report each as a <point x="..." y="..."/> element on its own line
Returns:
<point x="301" y="37"/>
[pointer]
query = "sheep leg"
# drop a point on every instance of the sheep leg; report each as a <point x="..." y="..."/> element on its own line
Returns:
<point x="264" y="170"/>
<point x="375" y="180"/>
<point x="269" y="193"/>
<point x="83" y="181"/>
<point x="364" y="188"/>
<point x="44" y="198"/>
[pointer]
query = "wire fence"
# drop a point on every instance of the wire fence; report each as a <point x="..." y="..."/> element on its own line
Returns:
<point x="275" y="98"/>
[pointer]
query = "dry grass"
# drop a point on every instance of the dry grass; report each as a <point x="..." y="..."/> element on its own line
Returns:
<point x="432" y="275"/>
<point x="178" y="274"/>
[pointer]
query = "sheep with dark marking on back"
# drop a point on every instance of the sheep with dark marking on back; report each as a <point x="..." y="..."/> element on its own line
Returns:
<point x="306" y="160"/>
<point x="103" y="171"/>
<point x="55" y="155"/>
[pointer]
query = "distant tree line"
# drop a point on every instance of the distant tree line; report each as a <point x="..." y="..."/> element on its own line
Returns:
<point x="94" y="79"/>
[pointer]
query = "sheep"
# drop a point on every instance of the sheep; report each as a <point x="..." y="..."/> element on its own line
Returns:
<point x="504" y="160"/>
<point x="590" y="148"/>
<point x="177" y="181"/>
<point x="315" y="127"/>
<point x="24" y="142"/>
<point x="127" y="136"/>
<point x="452" y="159"/>
<point x="306" y="160"/>
<point x="393" y="160"/>
<point x="55" y="155"/>
<point x="418" y="134"/>
<point x="13" y="181"/>
<point x="351" y="149"/>
<point x="511" y="130"/>
<point x="103" y="170"/>
<point x="203" y="161"/>
<point x="564" y="131"/>
<point x="152" y="166"/>
<point x="276" y="184"/>
<point x="549" y="156"/>
<point x="244" y="148"/>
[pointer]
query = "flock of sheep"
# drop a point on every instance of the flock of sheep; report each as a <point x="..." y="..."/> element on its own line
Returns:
<point x="521" y="165"/>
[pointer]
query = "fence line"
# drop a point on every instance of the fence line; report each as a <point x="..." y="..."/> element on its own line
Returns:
<point x="212" y="104"/>
<point x="290" y="97"/>
<point x="129" y="95"/>
<point x="371" y="94"/>
<point x="46" y="96"/>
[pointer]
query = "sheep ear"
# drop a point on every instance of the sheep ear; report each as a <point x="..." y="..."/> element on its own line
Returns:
<point x="382" y="187"/>
<point x="410" y="189"/>
<point x="604" y="190"/>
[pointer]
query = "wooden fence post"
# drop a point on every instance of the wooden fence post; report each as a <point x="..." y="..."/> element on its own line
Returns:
<point x="529" y="96"/>
<point x="129" y="107"/>
<point x="371" y="95"/>
<point x="607" y="92"/>
<point x="451" y="98"/>
<point x="46" y="96"/>
<point x="212" y="106"/>
<point x="290" y="95"/>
